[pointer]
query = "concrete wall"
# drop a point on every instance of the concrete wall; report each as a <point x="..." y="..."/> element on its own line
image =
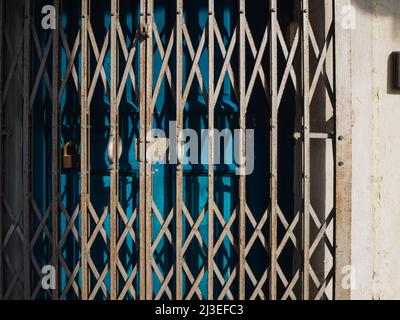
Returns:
<point x="376" y="154"/>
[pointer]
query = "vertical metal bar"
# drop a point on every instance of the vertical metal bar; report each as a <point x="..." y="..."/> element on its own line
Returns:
<point x="242" y="125"/>
<point x="343" y="148"/>
<point x="114" y="137"/>
<point x="55" y="149"/>
<point x="1" y="149"/>
<point x="142" y="159"/>
<point x="306" y="149"/>
<point x="274" y="149"/>
<point x="149" y="174"/>
<point x="211" y="105"/>
<point x="84" y="148"/>
<point x="26" y="153"/>
<point x="179" y="168"/>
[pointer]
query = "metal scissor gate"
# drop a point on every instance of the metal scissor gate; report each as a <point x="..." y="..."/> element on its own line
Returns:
<point x="76" y="98"/>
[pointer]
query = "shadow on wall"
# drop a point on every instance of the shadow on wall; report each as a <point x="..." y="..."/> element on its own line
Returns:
<point x="384" y="9"/>
<point x="379" y="7"/>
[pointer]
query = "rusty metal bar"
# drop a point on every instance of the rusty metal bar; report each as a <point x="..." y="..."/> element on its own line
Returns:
<point x="142" y="159"/>
<point x="273" y="150"/>
<point x="149" y="174"/>
<point x="114" y="136"/>
<point x="179" y="128"/>
<point x="242" y="126"/>
<point x="26" y="147"/>
<point x="84" y="148"/>
<point x="1" y="149"/>
<point x="343" y="156"/>
<point x="211" y="106"/>
<point x="306" y="148"/>
<point x="55" y="149"/>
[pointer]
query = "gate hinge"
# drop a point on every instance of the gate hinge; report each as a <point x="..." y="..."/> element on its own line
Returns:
<point x="314" y="135"/>
<point x="6" y="133"/>
<point x="144" y="30"/>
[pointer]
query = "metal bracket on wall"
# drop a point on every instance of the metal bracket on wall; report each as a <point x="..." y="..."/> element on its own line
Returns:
<point x="396" y="70"/>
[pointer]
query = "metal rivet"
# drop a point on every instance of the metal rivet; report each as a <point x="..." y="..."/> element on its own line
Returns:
<point x="241" y="11"/>
<point x="341" y="138"/>
<point x="273" y="10"/>
<point x="341" y="163"/>
<point x="297" y="136"/>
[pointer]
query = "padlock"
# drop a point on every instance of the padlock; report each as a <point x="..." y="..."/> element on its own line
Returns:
<point x="71" y="158"/>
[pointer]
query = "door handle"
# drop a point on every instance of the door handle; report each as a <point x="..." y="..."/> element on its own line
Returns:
<point x="110" y="149"/>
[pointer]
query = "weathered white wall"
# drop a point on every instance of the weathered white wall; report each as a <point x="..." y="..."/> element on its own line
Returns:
<point x="376" y="151"/>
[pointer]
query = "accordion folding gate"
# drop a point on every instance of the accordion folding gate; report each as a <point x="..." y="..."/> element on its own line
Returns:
<point x="140" y="229"/>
